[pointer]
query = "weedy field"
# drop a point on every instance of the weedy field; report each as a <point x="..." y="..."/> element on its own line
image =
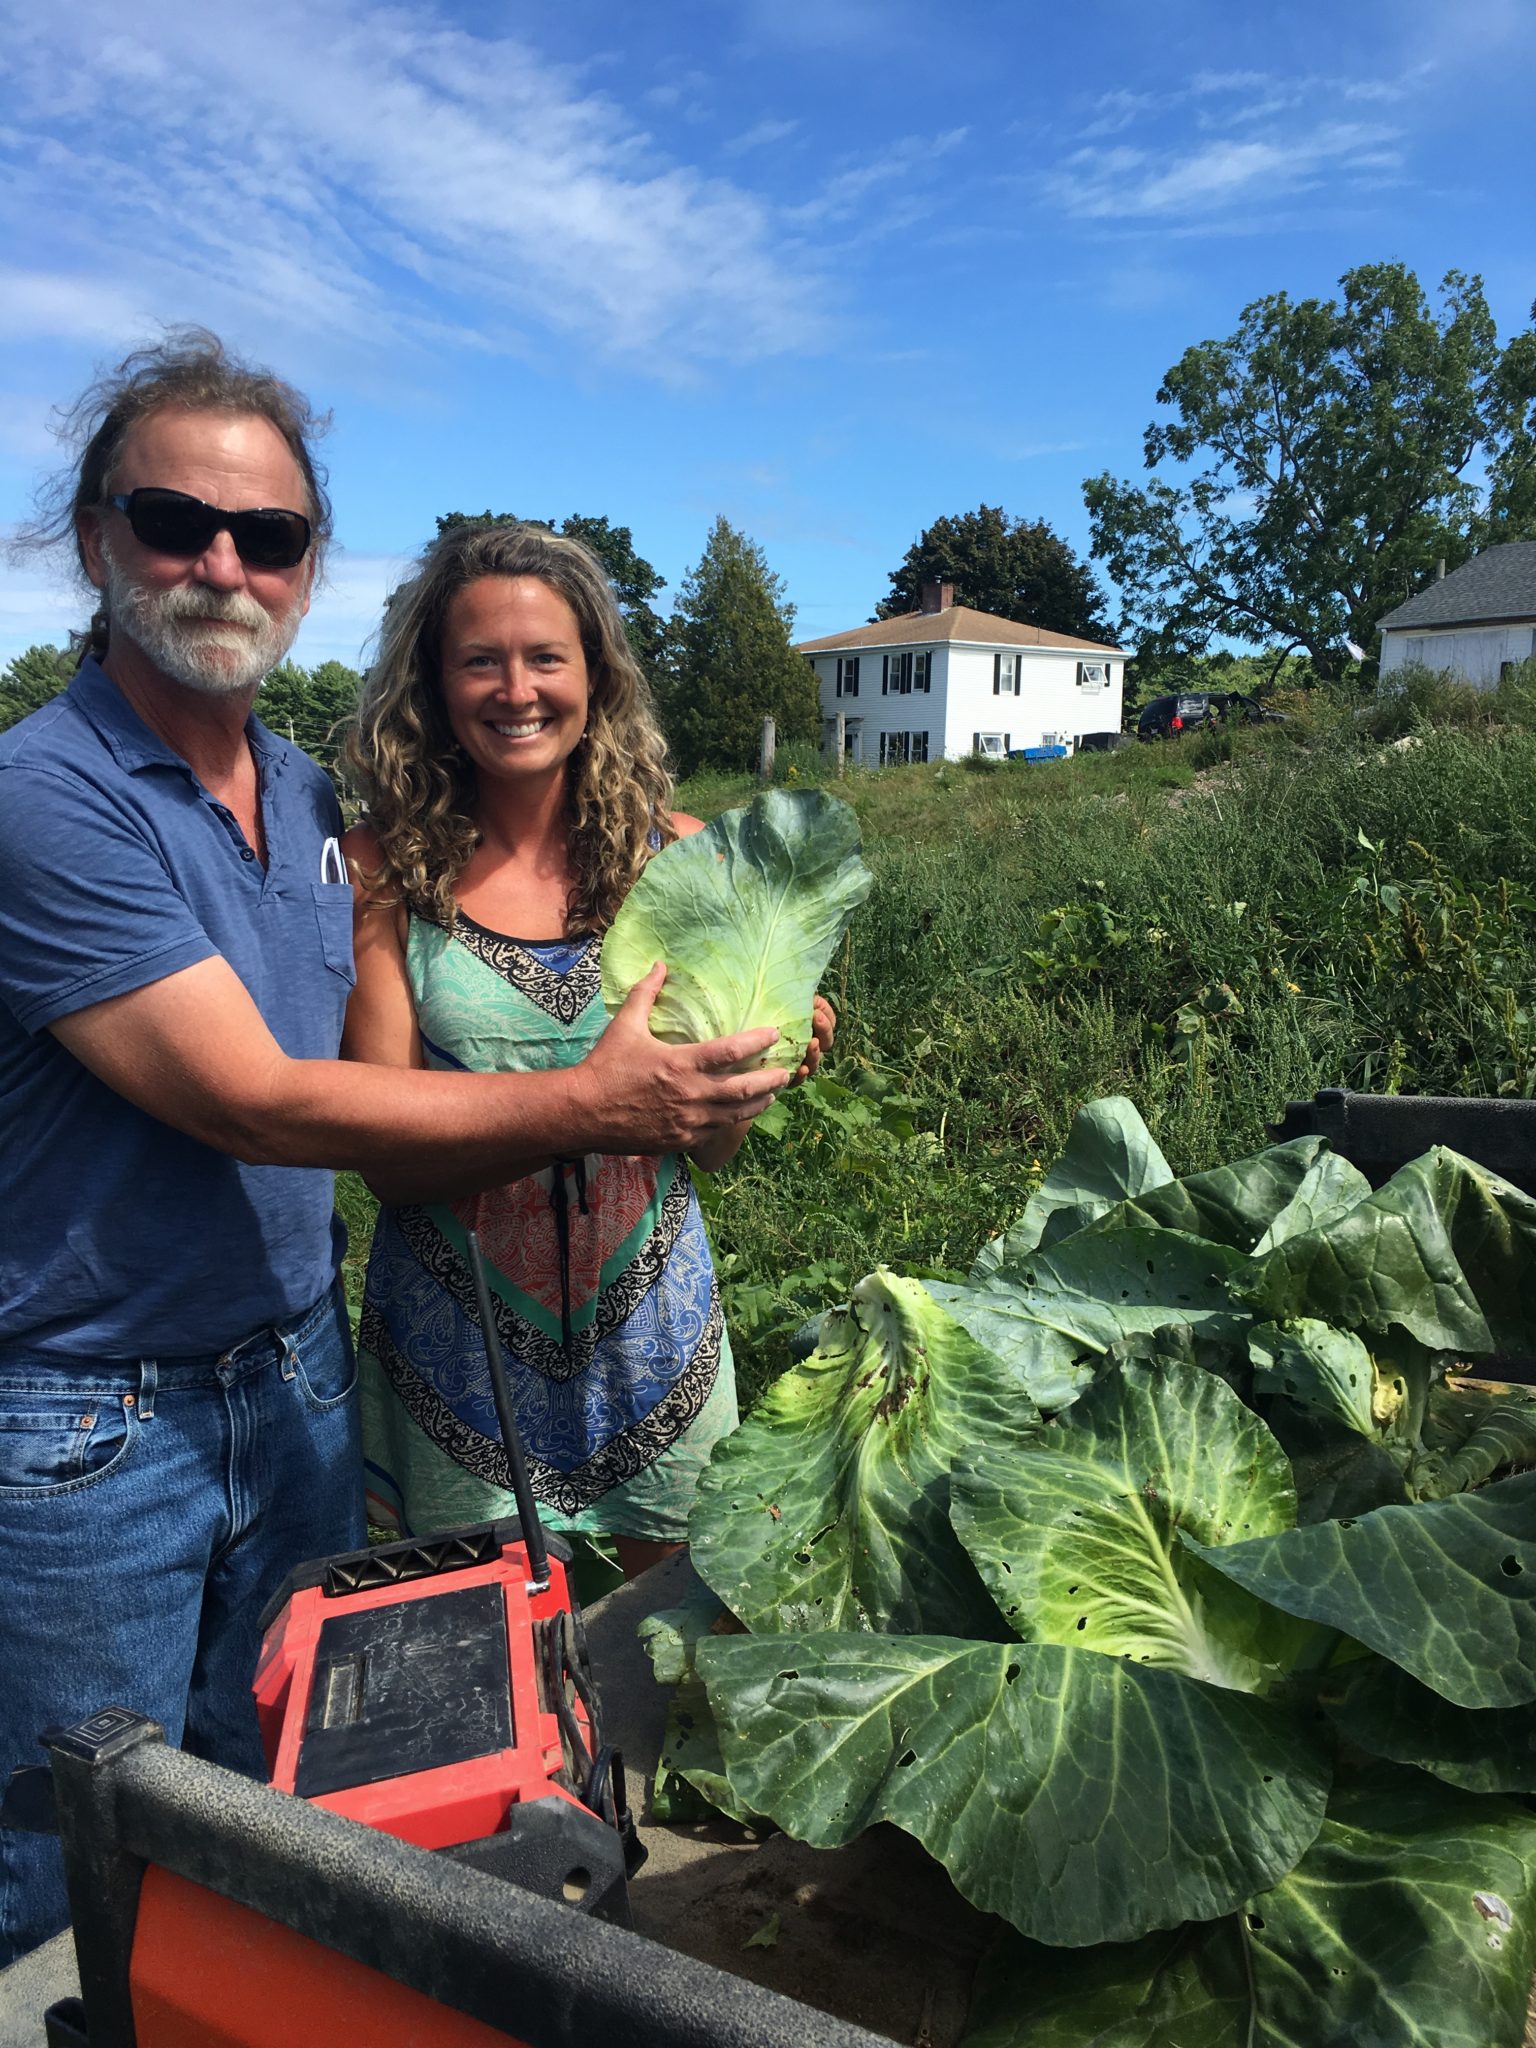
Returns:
<point x="1210" y="927"/>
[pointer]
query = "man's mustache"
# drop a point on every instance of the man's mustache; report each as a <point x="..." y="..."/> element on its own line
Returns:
<point x="229" y="607"/>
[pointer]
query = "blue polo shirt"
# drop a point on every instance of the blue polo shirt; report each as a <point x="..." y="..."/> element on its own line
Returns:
<point x="120" y="1237"/>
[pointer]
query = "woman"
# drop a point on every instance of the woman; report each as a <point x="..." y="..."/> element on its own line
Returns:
<point x="515" y="785"/>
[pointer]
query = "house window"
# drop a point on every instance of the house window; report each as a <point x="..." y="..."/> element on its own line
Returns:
<point x="993" y="746"/>
<point x="899" y="747"/>
<point x="1092" y="675"/>
<point x="1050" y="739"/>
<point x="1007" y="670"/>
<point x="904" y="673"/>
<point x="847" y="675"/>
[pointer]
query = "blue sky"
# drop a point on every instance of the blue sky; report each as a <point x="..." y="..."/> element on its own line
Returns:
<point x="830" y="267"/>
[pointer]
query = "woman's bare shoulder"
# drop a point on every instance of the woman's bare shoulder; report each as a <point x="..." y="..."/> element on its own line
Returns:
<point x="372" y="887"/>
<point x="360" y="843"/>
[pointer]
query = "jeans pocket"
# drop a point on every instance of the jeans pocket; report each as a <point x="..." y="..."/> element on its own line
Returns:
<point x="325" y="1363"/>
<point x="48" y="1448"/>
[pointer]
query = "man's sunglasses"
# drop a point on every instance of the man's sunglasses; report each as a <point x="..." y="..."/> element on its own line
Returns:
<point x="173" y="524"/>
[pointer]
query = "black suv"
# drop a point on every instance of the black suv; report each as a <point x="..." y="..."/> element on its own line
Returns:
<point x="1166" y="718"/>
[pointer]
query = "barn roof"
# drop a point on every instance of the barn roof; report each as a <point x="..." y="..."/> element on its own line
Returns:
<point x="1500" y="583"/>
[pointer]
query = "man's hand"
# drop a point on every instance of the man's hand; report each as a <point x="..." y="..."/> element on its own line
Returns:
<point x="642" y="1095"/>
<point x="823" y="1031"/>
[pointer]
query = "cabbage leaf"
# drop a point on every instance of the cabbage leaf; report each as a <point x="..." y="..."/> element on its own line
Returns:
<point x="746" y="915"/>
<point x="1411" y="1920"/>
<point x="1081" y="1797"/>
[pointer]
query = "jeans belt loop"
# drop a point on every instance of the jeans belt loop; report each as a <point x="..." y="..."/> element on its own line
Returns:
<point x="147" y="1383"/>
<point x="289" y="1364"/>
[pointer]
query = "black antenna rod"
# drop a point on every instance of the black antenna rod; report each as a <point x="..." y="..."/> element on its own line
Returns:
<point x="511" y="1437"/>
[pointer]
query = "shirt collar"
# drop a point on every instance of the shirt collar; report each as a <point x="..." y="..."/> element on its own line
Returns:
<point x="131" y="741"/>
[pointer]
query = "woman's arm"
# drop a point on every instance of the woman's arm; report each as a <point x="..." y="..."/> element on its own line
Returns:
<point x="381" y="1027"/>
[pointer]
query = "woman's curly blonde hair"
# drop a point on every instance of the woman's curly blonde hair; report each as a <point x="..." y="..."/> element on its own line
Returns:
<point x="418" y="789"/>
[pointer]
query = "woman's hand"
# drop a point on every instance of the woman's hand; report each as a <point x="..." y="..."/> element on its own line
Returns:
<point x="823" y="1031"/>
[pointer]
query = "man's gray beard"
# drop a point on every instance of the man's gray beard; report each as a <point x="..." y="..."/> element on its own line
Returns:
<point x="220" y="664"/>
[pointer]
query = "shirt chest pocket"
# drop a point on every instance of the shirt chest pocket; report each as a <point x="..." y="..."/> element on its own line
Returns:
<point x="333" y="914"/>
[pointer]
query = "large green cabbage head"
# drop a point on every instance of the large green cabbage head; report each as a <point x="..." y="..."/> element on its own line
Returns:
<point x="746" y="915"/>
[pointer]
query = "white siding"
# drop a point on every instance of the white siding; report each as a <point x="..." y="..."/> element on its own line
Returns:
<point x="1474" y="653"/>
<point x="960" y="701"/>
<point x="1049" y="700"/>
<point x="873" y="712"/>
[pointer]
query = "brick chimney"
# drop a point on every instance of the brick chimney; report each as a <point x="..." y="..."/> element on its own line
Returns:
<point x="937" y="597"/>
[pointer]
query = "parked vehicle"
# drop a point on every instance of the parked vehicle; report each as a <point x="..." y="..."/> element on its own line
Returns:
<point x="1103" y="742"/>
<point x="1189" y="710"/>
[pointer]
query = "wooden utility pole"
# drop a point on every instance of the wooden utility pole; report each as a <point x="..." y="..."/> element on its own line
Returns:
<point x="765" y="758"/>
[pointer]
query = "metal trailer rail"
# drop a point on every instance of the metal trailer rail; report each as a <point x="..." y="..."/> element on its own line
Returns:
<point x="527" y="1968"/>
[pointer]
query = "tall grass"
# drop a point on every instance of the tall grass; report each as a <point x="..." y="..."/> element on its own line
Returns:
<point x="1213" y="937"/>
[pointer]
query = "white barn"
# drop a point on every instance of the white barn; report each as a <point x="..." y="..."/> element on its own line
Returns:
<point x="947" y="681"/>
<point x="1476" y="623"/>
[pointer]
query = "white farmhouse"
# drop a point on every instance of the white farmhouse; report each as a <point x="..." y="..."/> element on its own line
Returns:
<point x="1475" y="623"/>
<point x="947" y="681"/>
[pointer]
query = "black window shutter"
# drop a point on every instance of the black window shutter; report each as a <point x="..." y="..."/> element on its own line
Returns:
<point x="997" y="675"/>
<point x="853" y="677"/>
<point x="885" y="675"/>
<point x="1007" y="741"/>
<point x="975" y="742"/>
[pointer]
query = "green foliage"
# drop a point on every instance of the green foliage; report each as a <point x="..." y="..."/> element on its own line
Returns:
<point x="730" y="662"/>
<point x="1376" y="1936"/>
<point x="1255" y="971"/>
<point x="1324" y="456"/>
<point x="746" y="915"/>
<point x="1013" y="568"/>
<point x="1154" y="1740"/>
<point x="31" y="679"/>
<point x="634" y="580"/>
<point x="311" y="707"/>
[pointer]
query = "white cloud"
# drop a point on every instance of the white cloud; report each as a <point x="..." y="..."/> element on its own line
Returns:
<point x="762" y="135"/>
<point x="346" y="610"/>
<point x="841" y="197"/>
<point x="290" y="165"/>
<point x="1218" y="176"/>
<point x="37" y="304"/>
<point x="39" y="606"/>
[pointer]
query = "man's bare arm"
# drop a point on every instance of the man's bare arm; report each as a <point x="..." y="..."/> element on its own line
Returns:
<point x="193" y="1050"/>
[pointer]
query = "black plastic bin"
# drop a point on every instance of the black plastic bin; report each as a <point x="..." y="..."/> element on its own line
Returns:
<point x="1380" y="1133"/>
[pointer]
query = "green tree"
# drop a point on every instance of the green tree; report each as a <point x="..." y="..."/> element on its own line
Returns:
<point x="1320" y="458"/>
<point x="1013" y="568"/>
<point x="634" y="580"/>
<point x="31" y="679"/>
<point x="1511" y="512"/>
<point x="730" y="662"/>
<point x="311" y="707"/>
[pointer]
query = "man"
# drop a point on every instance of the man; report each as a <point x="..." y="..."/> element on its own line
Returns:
<point x="177" y="1421"/>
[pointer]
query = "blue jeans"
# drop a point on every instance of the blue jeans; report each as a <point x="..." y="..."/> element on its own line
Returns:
<point x="148" y="1510"/>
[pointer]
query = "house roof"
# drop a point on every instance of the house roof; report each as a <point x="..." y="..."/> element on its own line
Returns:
<point x="955" y="622"/>
<point x="1500" y="583"/>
